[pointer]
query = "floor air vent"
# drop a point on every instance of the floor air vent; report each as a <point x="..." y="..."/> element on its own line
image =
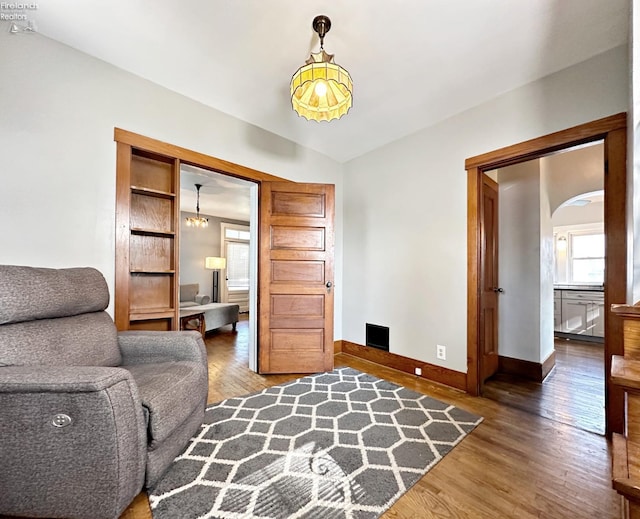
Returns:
<point x="377" y="336"/>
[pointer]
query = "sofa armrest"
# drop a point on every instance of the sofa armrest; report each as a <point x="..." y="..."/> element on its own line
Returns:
<point x="73" y="379"/>
<point x="73" y="441"/>
<point x="143" y="347"/>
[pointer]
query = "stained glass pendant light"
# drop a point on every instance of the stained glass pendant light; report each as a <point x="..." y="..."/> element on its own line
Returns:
<point x="197" y="220"/>
<point x="321" y="90"/>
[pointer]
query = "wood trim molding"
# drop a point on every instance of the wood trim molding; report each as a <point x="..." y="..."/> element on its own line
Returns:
<point x="192" y="157"/>
<point x="474" y="191"/>
<point x="337" y="347"/>
<point x="535" y="371"/>
<point x="613" y="131"/>
<point x="627" y="311"/>
<point x="122" y="255"/>
<point x="617" y="281"/>
<point x="445" y="376"/>
<point x="548" y="364"/>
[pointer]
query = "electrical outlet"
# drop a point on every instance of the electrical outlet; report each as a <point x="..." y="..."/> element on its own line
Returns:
<point x="418" y="371"/>
<point x="441" y="352"/>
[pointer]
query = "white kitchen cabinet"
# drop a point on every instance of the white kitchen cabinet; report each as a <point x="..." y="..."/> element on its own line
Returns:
<point x="582" y="313"/>
<point x="598" y="319"/>
<point x="575" y="313"/>
<point x="557" y="310"/>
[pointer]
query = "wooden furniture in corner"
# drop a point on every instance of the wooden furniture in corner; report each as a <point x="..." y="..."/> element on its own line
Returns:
<point x="190" y="320"/>
<point x="147" y="216"/>
<point x="625" y="373"/>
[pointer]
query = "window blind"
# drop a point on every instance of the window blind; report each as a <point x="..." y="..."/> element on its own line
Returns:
<point x="237" y="265"/>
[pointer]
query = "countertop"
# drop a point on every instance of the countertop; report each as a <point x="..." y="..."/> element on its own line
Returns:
<point x="592" y="288"/>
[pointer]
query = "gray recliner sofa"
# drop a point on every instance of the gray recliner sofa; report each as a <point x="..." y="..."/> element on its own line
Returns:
<point x="88" y="416"/>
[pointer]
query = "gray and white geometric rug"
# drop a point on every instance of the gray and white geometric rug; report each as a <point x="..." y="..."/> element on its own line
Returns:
<point x="342" y="445"/>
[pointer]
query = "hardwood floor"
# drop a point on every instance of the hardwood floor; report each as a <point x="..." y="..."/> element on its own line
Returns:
<point x="514" y="465"/>
<point x="573" y="393"/>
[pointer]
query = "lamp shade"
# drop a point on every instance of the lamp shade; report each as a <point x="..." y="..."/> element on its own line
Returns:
<point x="321" y="89"/>
<point x="215" y="263"/>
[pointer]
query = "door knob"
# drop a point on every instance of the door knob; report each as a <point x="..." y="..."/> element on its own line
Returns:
<point x="498" y="290"/>
<point x="329" y="285"/>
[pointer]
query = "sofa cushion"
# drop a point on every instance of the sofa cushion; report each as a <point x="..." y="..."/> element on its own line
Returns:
<point x="203" y="299"/>
<point x="189" y="292"/>
<point x="164" y="390"/>
<point x="28" y="293"/>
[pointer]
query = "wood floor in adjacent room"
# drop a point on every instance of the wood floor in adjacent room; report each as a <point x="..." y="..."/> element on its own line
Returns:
<point x="513" y="465"/>
<point x="573" y="393"/>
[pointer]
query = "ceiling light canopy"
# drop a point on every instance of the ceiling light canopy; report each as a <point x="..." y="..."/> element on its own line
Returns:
<point x="321" y="90"/>
<point x="197" y="220"/>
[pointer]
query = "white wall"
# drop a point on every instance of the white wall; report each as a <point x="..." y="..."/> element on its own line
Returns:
<point x="58" y="109"/>
<point x="633" y="216"/>
<point x="547" y="264"/>
<point x="521" y="269"/>
<point x="406" y="207"/>
<point x="576" y="215"/>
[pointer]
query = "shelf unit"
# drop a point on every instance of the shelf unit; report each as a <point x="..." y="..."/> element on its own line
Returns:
<point x="147" y="218"/>
<point x="625" y="374"/>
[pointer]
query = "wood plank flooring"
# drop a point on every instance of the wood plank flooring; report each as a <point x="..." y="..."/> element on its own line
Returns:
<point x="573" y="393"/>
<point x="514" y="465"/>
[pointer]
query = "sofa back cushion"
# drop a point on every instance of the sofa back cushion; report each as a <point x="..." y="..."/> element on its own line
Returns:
<point x="55" y="317"/>
<point x="189" y="292"/>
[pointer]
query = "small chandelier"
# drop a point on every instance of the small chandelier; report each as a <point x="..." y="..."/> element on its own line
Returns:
<point x="197" y="220"/>
<point x="321" y="89"/>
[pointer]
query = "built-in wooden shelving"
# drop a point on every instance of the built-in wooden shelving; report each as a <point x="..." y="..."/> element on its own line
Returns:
<point x="154" y="232"/>
<point x="625" y="373"/>
<point x="147" y="250"/>
<point x="152" y="192"/>
<point x="147" y="271"/>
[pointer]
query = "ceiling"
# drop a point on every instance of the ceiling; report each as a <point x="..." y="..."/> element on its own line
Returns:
<point x="220" y="195"/>
<point x="413" y="62"/>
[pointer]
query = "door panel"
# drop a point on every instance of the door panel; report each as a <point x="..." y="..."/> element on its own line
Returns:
<point x="289" y="271"/>
<point x="296" y="264"/>
<point x="298" y="340"/>
<point x="297" y="311"/>
<point x="489" y="279"/>
<point x="301" y="204"/>
<point x="297" y="238"/>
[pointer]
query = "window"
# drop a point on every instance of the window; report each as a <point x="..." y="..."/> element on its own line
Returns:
<point x="236" y="234"/>
<point x="587" y="257"/>
<point x="238" y="265"/>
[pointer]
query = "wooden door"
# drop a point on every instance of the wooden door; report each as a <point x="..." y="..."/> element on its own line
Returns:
<point x="489" y="287"/>
<point x="296" y="278"/>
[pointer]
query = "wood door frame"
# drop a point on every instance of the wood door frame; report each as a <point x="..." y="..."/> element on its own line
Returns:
<point x="193" y="158"/>
<point x="612" y="131"/>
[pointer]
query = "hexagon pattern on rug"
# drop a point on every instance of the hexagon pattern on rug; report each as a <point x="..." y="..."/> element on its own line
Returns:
<point x="343" y="444"/>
